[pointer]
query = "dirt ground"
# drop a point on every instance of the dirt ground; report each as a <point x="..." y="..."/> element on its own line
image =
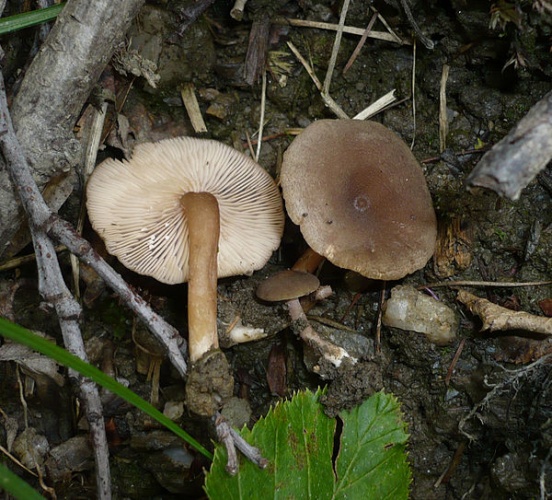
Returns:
<point x="479" y="410"/>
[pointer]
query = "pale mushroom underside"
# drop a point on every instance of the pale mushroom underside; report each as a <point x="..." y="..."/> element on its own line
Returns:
<point x="135" y="207"/>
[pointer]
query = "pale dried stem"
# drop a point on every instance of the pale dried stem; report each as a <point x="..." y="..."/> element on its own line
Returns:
<point x="378" y="35"/>
<point x="382" y="103"/>
<point x="335" y="49"/>
<point x="262" y="117"/>
<point x="361" y="43"/>
<point x="325" y="97"/>
<point x="192" y="107"/>
<point x="443" y="118"/>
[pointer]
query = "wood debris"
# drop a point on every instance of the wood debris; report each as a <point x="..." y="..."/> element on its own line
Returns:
<point x="497" y="318"/>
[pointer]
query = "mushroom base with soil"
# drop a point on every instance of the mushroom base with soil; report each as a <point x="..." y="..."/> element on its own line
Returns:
<point x="210" y="383"/>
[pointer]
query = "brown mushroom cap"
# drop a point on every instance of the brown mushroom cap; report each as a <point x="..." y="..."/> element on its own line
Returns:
<point x="360" y="198"/>
<point x="287" y="285"/>
<point x="135" y="207"/>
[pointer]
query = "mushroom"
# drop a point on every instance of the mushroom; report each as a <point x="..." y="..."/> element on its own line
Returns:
<point x="187" y="209"/>
<point x="360" y="198"/>
<point x="289" y="285"/>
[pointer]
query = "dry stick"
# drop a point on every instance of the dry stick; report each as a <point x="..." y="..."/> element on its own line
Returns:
<point x="428" y="44"/>
<point x="335" y="49"/>
<point x="351" y="30"/>
<point x="325" y="97"/>
<point x="262" y="117"/>
<point x="373" y="109"/>
<point x="92" y="143"/>
<point x="514" y="161"/>
<point x="443" y="118"/>
<point x="506" y="284"/>
<point x="361" y="43"/>
<point x="413" y="95"/>
<point x="53" y="288"/>
<point x="237" y="11"/>
<point x="231" y="439"/>
<point x="64" y="233"/>
<point x="516" y="375"/>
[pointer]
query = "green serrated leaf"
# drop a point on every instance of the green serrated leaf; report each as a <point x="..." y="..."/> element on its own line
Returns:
<point x="372" y="459"/>
<point x="298" y="440"/>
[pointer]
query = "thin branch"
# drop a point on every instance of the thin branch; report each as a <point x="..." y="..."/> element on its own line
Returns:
<point x="54" y="290"/>
<point x="351" y="30"/>
<point x="505" y="284"/>
<point x="335" y="49"/>
<point x="62" y="231"/>
<point x="361" y="43"/>
<point x="328" y="100"/>
<point x="262" y="117"/>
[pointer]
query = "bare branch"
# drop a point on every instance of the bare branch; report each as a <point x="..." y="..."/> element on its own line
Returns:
<point x="54" y="290"/>
<point x="514" y="162"/>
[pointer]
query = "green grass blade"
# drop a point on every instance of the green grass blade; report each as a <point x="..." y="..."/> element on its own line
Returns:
<point x="15" y="486"/>
<point x="28" y="19"/>
<point x="23" y="336"/>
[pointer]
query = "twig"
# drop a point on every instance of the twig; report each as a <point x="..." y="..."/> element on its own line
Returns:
<point x="454" y="361"/>
<point x="360" y="44"/>
<point x="166" y="334"/>
<point x="24" y="259"/>
<point x="262" y="117"/>
<point x="325" y="97"/>
<point x="231" y="439"/>
<point x="394" y="37"/>
<point x="189" y="14"/>
<point x="374" y="108"/>
<point x="257" y="49"/>
<point x="54" y="290"/>
<point x="413" y="95"/>
<point x="453" y="465"/>
<point x="192" y="107"/>
<point x="302" y="23"/>
<point x="93" y="137"/>
<point x="443" y="117"/>
<point x="335" y="49"/>
<point x="504" y="284"/>
<point x="381" y="302"/>
<point x="495" y="317"/>
<point x="237" y="11"/>
<point x="515" y="375"/>
<point x="428" y="44"/>
<point x="514" y="161"/>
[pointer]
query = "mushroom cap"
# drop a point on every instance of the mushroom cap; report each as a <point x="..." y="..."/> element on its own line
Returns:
<point x="360" y="198"/>
<point x="287" y="285"/>
<point x="135" y="207"/>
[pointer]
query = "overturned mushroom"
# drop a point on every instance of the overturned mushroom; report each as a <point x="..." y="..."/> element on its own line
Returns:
<point x="189" y="209"/>
<point x="360" y="198"/>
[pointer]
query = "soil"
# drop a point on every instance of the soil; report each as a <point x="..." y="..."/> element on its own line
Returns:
<point x="478" y="410"/>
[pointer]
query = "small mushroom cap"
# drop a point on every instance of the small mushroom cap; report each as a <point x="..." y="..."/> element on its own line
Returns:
<point x="135" y="207"/>
<point x="360" y="198"/>
<point x="287" y="285"/>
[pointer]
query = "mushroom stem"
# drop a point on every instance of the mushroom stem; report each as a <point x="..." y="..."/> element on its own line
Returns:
<point x="309" y="261"/>
<point x="202" y="213"/>
<point x="329" y="351"/>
